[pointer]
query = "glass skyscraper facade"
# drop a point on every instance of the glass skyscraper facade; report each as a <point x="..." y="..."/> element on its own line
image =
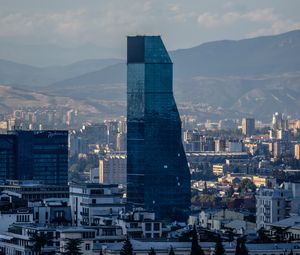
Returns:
<point x="158" y="177"/>
<point x="7" y="157"/>
<point x="35" y="155"/>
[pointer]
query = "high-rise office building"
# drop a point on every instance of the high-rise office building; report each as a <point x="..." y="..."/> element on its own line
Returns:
<point x="158" y="176"/>
<point x="248" y="126"/>
<point x="7" y="157"/>
<point x="35" y="155"/>
<point x="112" y="169"/>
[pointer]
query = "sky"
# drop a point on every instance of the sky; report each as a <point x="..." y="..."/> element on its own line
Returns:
<point x="106" y="23"/>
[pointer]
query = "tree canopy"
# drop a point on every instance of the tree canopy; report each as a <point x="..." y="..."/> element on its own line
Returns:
<point x="127" y="248"/>
<point x="196" y="248"/>
<point x="72" y="247"/>
<point x="219" y="248"/>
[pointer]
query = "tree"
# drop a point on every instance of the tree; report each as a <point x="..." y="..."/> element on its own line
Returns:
<point x="127" y="248"/>
<point x="241" y="248"/>
<point x="244" y="250"/>
<point x="72" y="247"/>
<point x="247" y="184"/>
<point x="196" y="248"/>
<point x="263" y="236"/>
<point x="238" y="247"/>
<point x="219" y="248"/>
<point x="39" y="241"/>
<point x="230" y="191"/>
<point x="152" y="251"/>
<point x="171" y="252"/>
<point x="279" y="233"/>
<point x="205" y="190"/>
<point x="229" y="233"/>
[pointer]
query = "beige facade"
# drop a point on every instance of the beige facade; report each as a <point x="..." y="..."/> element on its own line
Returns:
<point x="297" y="151"/>
<point x="112" y="169"/>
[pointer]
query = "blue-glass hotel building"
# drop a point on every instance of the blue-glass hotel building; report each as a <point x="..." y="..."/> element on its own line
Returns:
<point x="35" y="155"/>
<point x="158" y="177"/>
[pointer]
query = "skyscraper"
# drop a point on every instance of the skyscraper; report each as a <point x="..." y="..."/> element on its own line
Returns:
<point x="158" y="176"/>
<point x="248" y="126"/>
<point x="35" y="155"/>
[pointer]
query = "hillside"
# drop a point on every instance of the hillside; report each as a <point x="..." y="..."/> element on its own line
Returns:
<point x="12" y="73"/>
<point x="13" y="98"/>
<point x="258" y="76"/>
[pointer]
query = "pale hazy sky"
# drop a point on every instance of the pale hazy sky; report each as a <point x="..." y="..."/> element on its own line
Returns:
<point x="182" y="23"/>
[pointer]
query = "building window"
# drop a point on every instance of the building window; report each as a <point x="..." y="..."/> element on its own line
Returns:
<point x="156" y="226"/>
<point x="156" y="235"/>
<point x="148" y="227"/>
<point x="87" y="246"/>
<point x="59" y="214"/>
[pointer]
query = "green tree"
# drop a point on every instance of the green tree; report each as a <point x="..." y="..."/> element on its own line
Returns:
<point x="171" y="251"/>
<point x="219" y="248"/>
<point x="229" y="233"/>
<point x="72" y="247"/>
<point x="241" y="248"/>
<point x="127" y="247"/>
<point x="238" y="247"/>
<point x="152" y="251"/>
<point x="247" y="184"/>
<point x="230" y="192"/>
<point x="196" y="248"/>
<point x="205" y="190"/>
<point x="39" y="240"/>
<point x="263" y="237"/>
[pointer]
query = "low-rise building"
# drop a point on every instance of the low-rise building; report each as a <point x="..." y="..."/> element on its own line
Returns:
<point x="91" y="200"/>
<point x="272" y="205"/>
<point x="290" y="226"/>
<point x="22" y="215"/>
<point x="216" y="220"/>
<point x="52" y="211"/>
<point x="34" y="191"/>
<point x="141" y="224"/>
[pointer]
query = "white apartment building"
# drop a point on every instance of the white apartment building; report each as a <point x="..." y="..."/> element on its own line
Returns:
<point x="140" y="224"/>
<point x="272" y="205"/>
<point x="89" y="201"/>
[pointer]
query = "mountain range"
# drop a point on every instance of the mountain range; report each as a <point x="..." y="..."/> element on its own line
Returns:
<point x="256" y="76"/>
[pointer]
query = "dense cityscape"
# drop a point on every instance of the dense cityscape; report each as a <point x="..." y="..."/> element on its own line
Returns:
<point x="59" y="187"/>
<point x="150" y="175"/>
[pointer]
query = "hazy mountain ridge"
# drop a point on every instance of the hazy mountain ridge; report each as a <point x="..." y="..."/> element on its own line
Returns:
<point x="256" y="56"/>
<point x="12" y="73"/>
<point x="259" y="76"/>
<point x="52" y="54"/>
